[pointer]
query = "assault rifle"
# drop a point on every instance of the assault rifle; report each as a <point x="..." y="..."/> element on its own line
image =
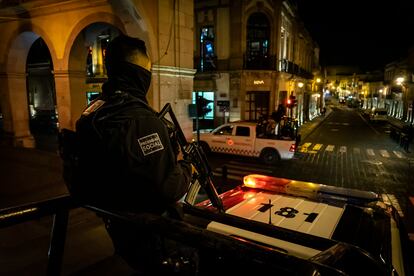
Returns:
<point x="195" y="154"/>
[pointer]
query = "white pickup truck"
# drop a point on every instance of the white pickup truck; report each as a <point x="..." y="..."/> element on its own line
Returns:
<point x="240" y="138"/>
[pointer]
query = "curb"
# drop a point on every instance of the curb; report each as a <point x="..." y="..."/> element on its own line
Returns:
<point x="313" y="124"/>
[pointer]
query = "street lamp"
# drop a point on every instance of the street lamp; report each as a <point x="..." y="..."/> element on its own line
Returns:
<point x="299" y="109"/>
<point x="380" y="96"/>
<point x="321" y="104"/>
<point x="401" y="81"/>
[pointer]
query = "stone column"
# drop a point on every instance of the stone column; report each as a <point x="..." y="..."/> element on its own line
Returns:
<point x="70" y="96"/>
<point x="15" y="109"/>
<point x="173" y="85"/>
<point x="63" y="99"/>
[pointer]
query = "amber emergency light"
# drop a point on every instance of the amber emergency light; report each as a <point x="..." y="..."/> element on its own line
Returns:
<point x="308" y="189"/>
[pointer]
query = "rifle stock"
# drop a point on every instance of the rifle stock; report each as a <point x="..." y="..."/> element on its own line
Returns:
<point x="195" y="154"/>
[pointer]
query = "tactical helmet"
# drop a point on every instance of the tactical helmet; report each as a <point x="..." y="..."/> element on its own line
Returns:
<point x="124" y="48"/>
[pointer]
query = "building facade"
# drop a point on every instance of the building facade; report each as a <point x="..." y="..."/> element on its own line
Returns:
<point x="251" y="56"/>
<point x="70" y="37"/>
<point x="398" y="86"/>
<point x="391" y="88"/>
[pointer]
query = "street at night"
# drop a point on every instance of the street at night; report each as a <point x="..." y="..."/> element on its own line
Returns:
<point x="202" y="138"/>
<point x="345" y="150"/>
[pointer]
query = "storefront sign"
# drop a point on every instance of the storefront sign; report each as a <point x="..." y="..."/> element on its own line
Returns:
<point x="223" y="103"/>
<point x="258" y="82"/>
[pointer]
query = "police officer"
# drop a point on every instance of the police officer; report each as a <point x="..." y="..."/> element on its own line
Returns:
<point x="127" y="161"/>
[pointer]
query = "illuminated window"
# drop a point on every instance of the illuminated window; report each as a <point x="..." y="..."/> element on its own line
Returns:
<point x="258" y="37"/>
<point x="207" y="53"/>
<point x="208" y="96"/>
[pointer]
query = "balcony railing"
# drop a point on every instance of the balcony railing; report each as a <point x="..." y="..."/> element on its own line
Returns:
<point x="206" y="64"/>
<point x="257" y="63"/>
<point x="288" y="66"/>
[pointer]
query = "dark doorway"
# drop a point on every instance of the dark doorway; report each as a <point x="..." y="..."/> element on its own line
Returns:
<point x="41" y="95"/>
<point x="257" y="105"/>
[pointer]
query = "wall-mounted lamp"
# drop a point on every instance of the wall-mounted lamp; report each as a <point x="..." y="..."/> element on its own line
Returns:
<point x="300" y="84"/>
<point x="399" y="80"/>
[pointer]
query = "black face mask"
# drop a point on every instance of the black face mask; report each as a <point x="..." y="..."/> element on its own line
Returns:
<point x="144" y="78"/>
<point x="130" y="78"/>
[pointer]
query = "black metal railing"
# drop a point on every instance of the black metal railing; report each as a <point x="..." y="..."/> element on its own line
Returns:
<point x="259" y="62"/>
<point x="284" y="65"/>
<point x="175" y="229"/>
<point x="270" y="62"/>
<point x="206" y="64"/>
<point x="58" y="208"/>
<point x="197" y="236"/>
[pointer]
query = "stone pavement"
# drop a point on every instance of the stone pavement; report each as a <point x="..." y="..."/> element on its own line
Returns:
<point x="307" y="128"/>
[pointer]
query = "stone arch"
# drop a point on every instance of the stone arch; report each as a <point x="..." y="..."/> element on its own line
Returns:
<point x="134" y="22"/>
<point x="19" y="45"/>
<point x="101" y="17"/>
<point x="76" y="73"/>
<point x="71" y="75"/>
<point x="15" y="102"/>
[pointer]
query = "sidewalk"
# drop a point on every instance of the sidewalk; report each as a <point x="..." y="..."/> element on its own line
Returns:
<point x="307" y="128"/>
<point x="28" y="175"/>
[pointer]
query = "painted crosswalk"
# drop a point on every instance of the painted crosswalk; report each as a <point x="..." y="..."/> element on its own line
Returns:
<point x="398" y="153"/>
<point x="313" y="148"/>
<point x="317" y="147"/>
<point x="384" y="153"/>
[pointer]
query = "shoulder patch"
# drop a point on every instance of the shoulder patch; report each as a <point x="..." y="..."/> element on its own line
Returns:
<point x="150" y="144"/>
<point x="93" y="107"/>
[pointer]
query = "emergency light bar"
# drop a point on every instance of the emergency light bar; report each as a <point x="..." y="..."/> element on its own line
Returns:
<point x="308" y="189"/>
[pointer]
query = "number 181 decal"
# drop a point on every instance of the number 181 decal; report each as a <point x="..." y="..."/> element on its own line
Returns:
<point x="288" y="212"/>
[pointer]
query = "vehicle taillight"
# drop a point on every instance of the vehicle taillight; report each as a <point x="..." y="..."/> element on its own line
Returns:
<point x="292" y="148"/>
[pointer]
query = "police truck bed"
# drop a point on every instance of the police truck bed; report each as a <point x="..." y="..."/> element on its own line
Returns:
<point x="304" y="220"/>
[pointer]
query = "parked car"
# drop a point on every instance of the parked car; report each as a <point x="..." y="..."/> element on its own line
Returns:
<point x="338" y="231"/>
<point x="378" y="115"/>
<point x="246" y="138"/>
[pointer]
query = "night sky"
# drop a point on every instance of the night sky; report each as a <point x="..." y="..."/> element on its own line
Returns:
<point x="366" y="33"/>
